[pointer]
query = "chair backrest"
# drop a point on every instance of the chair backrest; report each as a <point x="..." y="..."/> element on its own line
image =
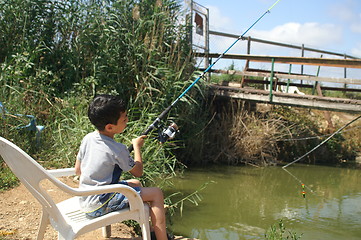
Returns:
<point x="31" y="173"/>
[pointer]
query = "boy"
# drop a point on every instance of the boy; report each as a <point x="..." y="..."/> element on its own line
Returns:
<point x="101" y="161"/>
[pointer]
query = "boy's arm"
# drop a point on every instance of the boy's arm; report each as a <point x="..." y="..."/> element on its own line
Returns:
<point x="137" y="170"/>
<point x="77" y="167"/>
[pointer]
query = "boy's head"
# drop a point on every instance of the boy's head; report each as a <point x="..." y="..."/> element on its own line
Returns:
<point x="105" y="109"/>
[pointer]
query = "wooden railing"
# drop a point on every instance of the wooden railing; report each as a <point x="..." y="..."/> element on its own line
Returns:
<point x="250" y="75"/>
<point x="271" y="78"/>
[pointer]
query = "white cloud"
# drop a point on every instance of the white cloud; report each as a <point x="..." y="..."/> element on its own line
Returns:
<point x="343" y="12"/>
<point x="311" y="34"/>
<point x="356" y="27"/>
<point x="217" y="21"/>
<point x="348" y="13"/>
<point x="357" y="50"/>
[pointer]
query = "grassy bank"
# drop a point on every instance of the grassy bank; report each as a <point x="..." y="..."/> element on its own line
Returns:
<point x="264" y="135"/>
<point x="56" y="55"/>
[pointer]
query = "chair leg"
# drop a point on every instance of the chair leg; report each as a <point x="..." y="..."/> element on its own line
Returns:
<point x="107" y="231"/>
<point x="145" y="225"/>
<point x="44" y="221"/>
<point x="60" y="237"/>
<point x="145" y="230"/>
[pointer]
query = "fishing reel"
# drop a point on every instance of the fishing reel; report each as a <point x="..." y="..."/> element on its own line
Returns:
<point x="167" y="133"/>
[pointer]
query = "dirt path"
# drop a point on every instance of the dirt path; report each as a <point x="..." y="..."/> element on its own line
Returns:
<point x="20" y="216"/>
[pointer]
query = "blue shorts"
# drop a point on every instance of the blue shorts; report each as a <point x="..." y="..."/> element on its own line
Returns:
<point x="117" y="202"/>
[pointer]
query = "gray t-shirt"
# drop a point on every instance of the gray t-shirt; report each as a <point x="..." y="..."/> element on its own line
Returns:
<point x="102" y="162"/>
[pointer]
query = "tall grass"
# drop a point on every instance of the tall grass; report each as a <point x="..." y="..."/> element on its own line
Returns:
<point x="238" y="136"/>
<point x="235" y="135"/>
<point x="56" y="55"/>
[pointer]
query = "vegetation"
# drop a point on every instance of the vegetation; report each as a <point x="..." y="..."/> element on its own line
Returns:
<point x="274" y="134"/>
<point x="279" y="232"/>
<point x="56" y="55"/>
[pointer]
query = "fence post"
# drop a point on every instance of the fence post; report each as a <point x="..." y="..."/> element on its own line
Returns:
<point x="316" y="83"/>
<point x="289" y="80"/>
<point x="248" y="50"/>
<point x="271" y="81"/>
<point x="345" y="71"/>
<point x="302" y="55"/>
<point x="246" y="66"/>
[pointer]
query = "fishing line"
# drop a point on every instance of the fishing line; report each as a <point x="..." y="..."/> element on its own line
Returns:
<point x="298" y="159"/>
<point x="301" y="182"/>
<point x="313" y="137"/>
<point x="156" y="123"/>
<point x="323" y="142"/>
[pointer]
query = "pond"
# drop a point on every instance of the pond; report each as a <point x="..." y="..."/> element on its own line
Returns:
<point x="243" y="202"/>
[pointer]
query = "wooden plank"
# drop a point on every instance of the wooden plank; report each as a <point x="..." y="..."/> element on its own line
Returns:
<point x="290" y="76"/>
<point x="329" y="62"/>
<point x="320" y="79"/>
<point x="280" y="44"/>
<point x="303" y="85"/>
<point x="307" y="101"/>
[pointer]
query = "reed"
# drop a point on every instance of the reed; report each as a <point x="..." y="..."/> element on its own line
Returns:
<point x="56" y="55"/>
<point x="279" y="232"/>
<point x="239" y="136"/>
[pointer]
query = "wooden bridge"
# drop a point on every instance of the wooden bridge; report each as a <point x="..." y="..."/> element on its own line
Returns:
<point x="236" y="91"/>
<point x="280" y="85"/>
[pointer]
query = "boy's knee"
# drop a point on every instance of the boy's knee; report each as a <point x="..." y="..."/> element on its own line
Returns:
<point x="134" y="183"/>
<point x="152" y="194"/>
<point x="137" y="183"/>
<point x="158" y="192"/>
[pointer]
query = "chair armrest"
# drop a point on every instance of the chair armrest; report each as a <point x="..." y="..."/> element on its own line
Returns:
<point x="135" y="201"/>
<point x="63" y="172"/>
<point x="94" y="190"/>
<point x="133" y="197"/>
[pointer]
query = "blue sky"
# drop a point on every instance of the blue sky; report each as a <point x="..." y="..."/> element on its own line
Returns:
<point x="332" y="25"/>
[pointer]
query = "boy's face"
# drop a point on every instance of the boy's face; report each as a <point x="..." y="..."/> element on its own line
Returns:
<point x="121" y="123"/>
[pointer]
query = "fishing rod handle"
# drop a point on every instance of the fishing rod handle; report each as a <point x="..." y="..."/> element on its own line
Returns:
<point x="153" y="125"/>
<point x="150" y="128"/>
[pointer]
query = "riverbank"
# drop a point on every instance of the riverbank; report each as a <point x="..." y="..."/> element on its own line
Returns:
<point x="265" y="134"/>
<point x="20" y="216"/>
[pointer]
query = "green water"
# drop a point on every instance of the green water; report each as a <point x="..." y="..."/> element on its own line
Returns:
<point x="243" y="202"/>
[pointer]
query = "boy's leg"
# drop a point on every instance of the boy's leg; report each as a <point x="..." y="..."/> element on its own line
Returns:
<point x="134" y="183"/>
<point x="155" y="197"/>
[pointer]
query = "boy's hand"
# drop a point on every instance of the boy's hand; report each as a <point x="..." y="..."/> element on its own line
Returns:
<point x="139" y="141"/>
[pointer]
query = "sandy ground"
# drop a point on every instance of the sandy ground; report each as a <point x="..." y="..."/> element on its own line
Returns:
<point x="20" y="215"/>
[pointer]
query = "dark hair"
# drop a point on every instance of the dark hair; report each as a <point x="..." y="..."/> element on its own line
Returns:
<point x="105" y="109"/>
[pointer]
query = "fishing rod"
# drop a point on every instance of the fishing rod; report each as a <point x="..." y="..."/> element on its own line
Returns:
<point x="169" y="132"/>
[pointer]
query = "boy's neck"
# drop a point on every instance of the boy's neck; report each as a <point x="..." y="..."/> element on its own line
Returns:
<point x="106" y="133"/>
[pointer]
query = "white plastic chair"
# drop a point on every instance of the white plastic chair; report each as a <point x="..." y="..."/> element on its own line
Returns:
<point x="66" y="217"/>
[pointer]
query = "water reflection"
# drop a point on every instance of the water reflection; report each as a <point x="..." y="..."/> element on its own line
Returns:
<point x="244" y="202"/>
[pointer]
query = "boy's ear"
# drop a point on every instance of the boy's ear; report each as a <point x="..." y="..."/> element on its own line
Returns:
<point x="108" y="127"/>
